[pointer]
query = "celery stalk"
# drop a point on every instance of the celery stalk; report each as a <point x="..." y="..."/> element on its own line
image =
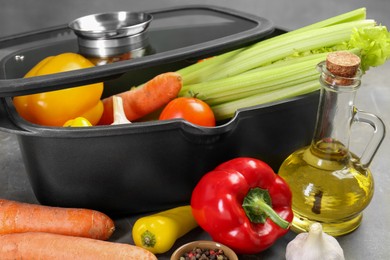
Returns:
<point x="265" y="88"/>
<point x="227" y="110"/>
<point x="354" y="15"/>
<point x="195" y="71"/>
<point x="284" y="45"/>
<point x="200" y="71"/>
<point x="256" y="81"/>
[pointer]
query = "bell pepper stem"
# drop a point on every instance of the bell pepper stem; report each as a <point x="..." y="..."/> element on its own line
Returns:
<point x="257" y="206"/>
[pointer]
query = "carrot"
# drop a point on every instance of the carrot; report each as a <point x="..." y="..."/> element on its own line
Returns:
<point x="143" y="100"/>
<point x="17" y="217"/>
<point x="37" y="245"/>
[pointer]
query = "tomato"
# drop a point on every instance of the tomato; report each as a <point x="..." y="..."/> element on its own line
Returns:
<point x="191" y="109"/>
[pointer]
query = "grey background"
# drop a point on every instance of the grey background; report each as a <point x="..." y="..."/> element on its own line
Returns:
<point x="371" y="240"/>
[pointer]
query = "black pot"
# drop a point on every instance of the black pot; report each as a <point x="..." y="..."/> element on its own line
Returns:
<point x="144" y="166"/>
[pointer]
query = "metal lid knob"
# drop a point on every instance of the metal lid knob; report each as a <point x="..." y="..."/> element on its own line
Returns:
<point x="110" y="34"/>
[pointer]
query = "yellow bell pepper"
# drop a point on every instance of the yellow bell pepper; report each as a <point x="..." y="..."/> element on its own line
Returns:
<point x="77" y="122"/>
<point x="158" y="232"/>
<point x="54" y="108"/>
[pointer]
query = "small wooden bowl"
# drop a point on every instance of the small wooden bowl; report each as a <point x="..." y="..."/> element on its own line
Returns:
<point x="203" y="244"/>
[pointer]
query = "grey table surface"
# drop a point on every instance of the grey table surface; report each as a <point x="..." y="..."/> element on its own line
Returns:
<point x="369" y="241"/>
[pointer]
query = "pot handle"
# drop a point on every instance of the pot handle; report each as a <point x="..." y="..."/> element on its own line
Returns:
<point x="7" y="124"/>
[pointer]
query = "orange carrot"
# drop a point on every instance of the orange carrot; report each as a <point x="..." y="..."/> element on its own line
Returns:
<point x="143" y="100"/>
<point x="17" y="217"/>
<point x="37" y="245"/>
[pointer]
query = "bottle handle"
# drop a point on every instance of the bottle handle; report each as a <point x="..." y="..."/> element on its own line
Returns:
<point x="379" y="134"/>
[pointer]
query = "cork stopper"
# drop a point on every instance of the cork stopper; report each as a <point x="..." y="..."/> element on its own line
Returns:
<point x="344" y="65"/>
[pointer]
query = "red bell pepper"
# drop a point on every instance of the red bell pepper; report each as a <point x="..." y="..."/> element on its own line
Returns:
<point x="243" y="204"/>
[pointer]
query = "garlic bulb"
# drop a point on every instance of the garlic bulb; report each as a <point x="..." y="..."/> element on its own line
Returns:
<point x="314" y="245"/>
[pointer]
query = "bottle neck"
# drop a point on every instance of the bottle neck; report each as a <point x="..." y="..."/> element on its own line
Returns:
<point x="335" y="112"/>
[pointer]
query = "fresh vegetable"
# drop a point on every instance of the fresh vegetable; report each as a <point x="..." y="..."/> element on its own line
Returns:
<point x="191" y="109"/>
<point x="77" y="122"/>
<point x="158" y="232"/>
<point x="119" y="114"/>
<point x="54" y="108"/>
<point x="243" y="204"/>
<point x="283" y="66"/>
<point x="314" y="245"/>
<point x="142" y="100"/>
<point x="18" y="217"/>
<point x="37" y="245"/>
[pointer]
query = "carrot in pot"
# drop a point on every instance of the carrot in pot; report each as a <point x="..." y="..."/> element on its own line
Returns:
<point x="18" y="217"/>
<point x="38" y="245"/>
<point x="143" y="100"/>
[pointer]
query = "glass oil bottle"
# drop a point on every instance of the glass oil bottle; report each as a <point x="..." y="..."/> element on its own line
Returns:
<point x="330" y="184"/>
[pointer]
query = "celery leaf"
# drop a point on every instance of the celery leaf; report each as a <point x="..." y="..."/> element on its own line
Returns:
<point x="374" y="45"/>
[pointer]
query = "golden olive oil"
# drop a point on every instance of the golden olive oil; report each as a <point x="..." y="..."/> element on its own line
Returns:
<point x="328" y="186"/>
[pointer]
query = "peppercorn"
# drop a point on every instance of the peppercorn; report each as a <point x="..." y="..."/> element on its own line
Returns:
<point x="204" y="254"/>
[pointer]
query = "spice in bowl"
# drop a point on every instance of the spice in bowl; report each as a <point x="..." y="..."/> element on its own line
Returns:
<point x="204" y="254"/>
<point x="204" y="250"/>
